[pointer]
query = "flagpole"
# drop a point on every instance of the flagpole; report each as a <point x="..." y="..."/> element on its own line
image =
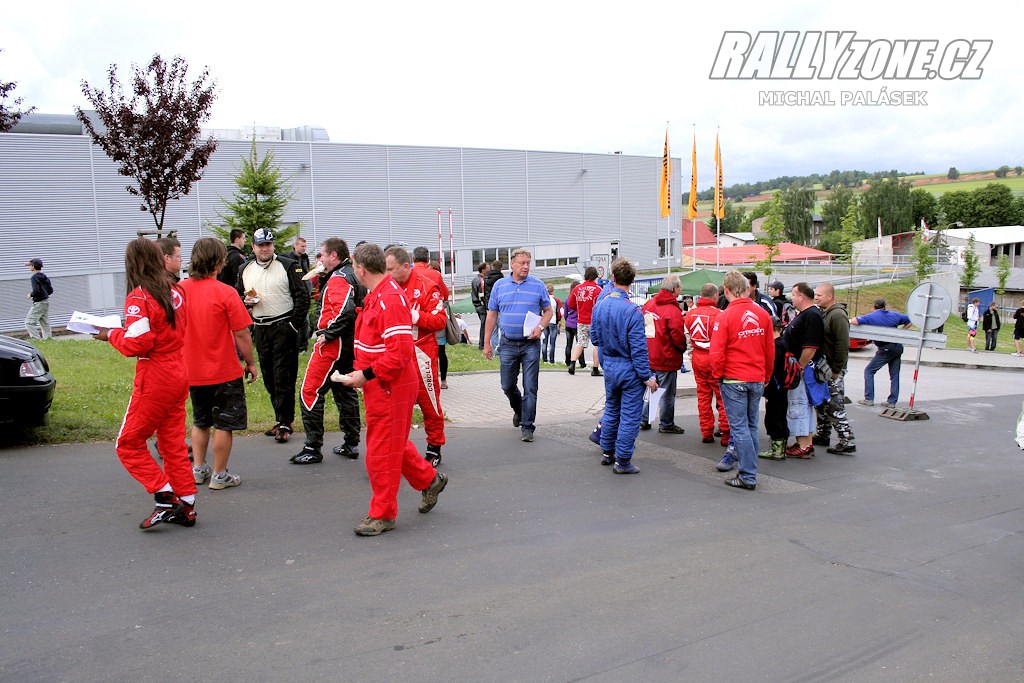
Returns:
<point x="692" y="210"/>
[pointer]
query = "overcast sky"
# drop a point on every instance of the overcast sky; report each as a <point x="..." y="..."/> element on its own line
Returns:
<point x="560" y="76"/>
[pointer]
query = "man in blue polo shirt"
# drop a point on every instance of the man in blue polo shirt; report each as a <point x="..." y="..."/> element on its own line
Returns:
<point x="511" y="299"/>
<point x="888" y="353"/>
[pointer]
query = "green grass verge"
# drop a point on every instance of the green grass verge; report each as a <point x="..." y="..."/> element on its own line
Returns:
<point x="94" y="383"/>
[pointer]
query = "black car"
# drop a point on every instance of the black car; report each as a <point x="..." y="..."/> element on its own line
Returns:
<point x="26" y="385"/>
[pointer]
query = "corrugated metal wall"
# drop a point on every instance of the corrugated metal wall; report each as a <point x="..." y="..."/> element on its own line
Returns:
<point x="62" y="200"/>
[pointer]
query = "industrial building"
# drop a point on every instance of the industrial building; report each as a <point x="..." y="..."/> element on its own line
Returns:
<point x="62" y="200"/>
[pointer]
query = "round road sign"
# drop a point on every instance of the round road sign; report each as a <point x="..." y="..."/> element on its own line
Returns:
<point x="929" y="305"/>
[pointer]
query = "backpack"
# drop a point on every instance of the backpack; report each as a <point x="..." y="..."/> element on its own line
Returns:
<point x="789" y="313"/>
<point x="792" y="372"/>
<point x="963" y="316"/>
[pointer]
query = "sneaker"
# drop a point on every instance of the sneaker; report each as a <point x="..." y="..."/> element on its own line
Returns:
<point x="517" y="420"/>
<point x="202" y="473"/>
<point x="707" y="439"/>
<point x="184" y="515"/>
<point x="167" y="506"/>
<point x="684" y="370"/>
<point x="444" y="385"/>
<point x="625" y="466"/>
<point x="842" y="449"/>
<point x="284" y="432"/>
<point x="821" y="440"/>
<point x="572" y="367"/>
<point x="671" y="429"/>
<point x="224" y="480"/>
<point x="644" y="426"/>
<point x="890" y="405"/>
<point x="349" y="450"/>
<point x="527" y="437"/>
<point x="728" y="461"/>
<point x="595" y="435"/>
<point x="433" y="455"/>
<point x="607" y="459"/>
<point x="795" y="451"/>
<point x="718" y="432"/>
<point x="431" y="492"/>
<point x="273" y="430"/>
<point x="371" y="526"/>
<point x="866" y="402"/>
<point x="738" y="483"/>
<point x="308" y="456"/>
<point x="596" y="372"/>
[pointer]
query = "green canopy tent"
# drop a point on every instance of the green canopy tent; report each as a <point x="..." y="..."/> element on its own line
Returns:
<point x="693" y="281"/>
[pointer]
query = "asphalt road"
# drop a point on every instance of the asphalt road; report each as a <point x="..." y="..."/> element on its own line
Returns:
<point x="902" y="563"/>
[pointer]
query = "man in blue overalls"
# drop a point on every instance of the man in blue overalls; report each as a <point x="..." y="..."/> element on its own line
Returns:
<point x="617" y="328"/>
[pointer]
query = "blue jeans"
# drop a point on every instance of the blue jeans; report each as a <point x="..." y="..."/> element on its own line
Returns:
<point x="742" y="400"/>
<point x="623" y="398"/>
<point x="548" y="344"/>
<point x="515" y="354"/>
<point x="667" y="406"/>
<point x="890" y="355"/>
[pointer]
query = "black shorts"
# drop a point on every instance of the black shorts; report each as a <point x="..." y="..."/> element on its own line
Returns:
<point x="1018" y="334"/>
<point x="221" y="406"/>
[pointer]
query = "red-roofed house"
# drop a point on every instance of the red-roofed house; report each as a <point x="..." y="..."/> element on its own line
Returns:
<point x="751" y="253"/>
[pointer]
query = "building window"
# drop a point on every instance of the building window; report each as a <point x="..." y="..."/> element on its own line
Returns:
<point x="661" y="247"/>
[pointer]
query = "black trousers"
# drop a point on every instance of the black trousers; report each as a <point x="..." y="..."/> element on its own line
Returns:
<point x="346" y="398"/>
<point x="278" y="347"/>
<point x="775" y="406"/>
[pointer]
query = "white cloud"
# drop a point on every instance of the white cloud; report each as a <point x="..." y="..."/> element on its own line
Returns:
<point x="566" y="76"/>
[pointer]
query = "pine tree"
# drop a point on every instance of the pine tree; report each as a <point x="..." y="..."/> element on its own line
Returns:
<point x="259" y="202"/>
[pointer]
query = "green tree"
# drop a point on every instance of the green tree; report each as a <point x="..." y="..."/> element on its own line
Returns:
<point x="10" y="113"/>
<point x="835" y="207"/>
<point x="1002" y="273"/>
<point x="952" y="174"/>
<point x="958" y="206"/>
<point x="259" y="201"/>
<point x="922" y="258"/>
<point x="774" y="232"/>
<point x="924" y="205"/>
<point x="849" y="234"/>
<point x="971" y="265"/>
<point x="154" y="134"/>
<point x="1018" y="170"/>
<point x="1002" y="171"/>
<point x="888" y="199"/>
<point x="759" y="211"/>
<point x="797" y="204"/>
<point x="993" y="205"/>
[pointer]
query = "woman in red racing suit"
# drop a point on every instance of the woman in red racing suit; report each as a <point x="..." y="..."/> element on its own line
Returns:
<point x="154" y="332"/>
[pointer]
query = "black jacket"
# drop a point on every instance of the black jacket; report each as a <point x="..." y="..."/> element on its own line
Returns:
<point x="988" y="319"/>
<point x="489" y="281"/>
<point x="229" y="274"/>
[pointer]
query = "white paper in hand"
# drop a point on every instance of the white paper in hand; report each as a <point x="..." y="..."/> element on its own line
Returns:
<point x="655" y="404"/>
<point x="88" y="324"/>
<point x="531" y="321"/>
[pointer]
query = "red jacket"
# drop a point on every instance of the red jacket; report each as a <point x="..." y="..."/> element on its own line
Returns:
<point x="742" y="343"/>
<point x="699" y="322"/>
<point x="432" y="275"/>
<point x="665" y="349"/>
<point x="424" y="296"/>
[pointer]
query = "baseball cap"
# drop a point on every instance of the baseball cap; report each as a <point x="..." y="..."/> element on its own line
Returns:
<point x="263" y="236"/>
<point x="35" y="263"/>
<point x="777" y="285"/>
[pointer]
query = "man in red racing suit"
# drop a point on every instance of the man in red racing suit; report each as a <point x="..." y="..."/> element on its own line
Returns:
<point x="337" y="313"/>
<point x="699" y="322"/>
<point x="428" y="317"/>
<point x="385" y="369"/>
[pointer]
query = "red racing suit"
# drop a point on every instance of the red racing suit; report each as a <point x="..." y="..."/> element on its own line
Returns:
<point x="158" y="393"/>
<point x="385" y="355"/>
<point x="337" y="313"/>
<point x="699" y="322"/>
<point x="424" y="297"/>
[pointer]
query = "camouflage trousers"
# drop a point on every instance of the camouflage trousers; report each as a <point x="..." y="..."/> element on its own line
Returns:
<point x="832" y="413"/>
